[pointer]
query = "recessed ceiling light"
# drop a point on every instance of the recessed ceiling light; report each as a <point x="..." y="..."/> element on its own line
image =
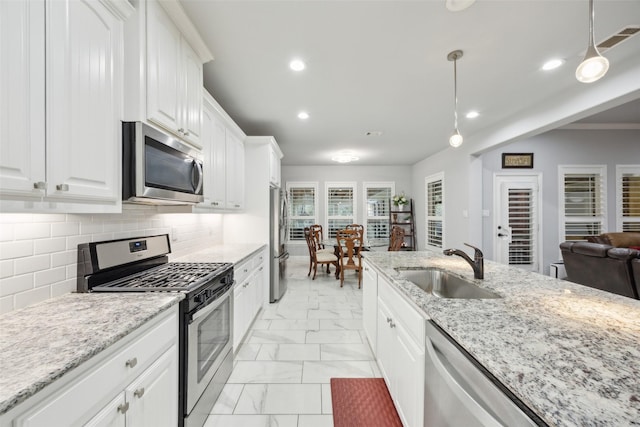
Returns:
<point x="297" y="65"/>
<point x="458" y="5"/>
<point x="345" y="157"/>
<point x="303" y="115"/>
<point x="472" y="114"/>
<point x="552" y="64"/>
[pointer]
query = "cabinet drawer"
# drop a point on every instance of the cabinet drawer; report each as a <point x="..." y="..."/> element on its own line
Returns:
<point x="258" y="260"/>
<point x="242" y="270"/>
<point x="404" y="312"/>
<point x="76" y="403"/>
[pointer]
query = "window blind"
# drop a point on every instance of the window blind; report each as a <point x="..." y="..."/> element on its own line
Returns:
<point x="434" y="209"/>
<point x="302" y="209"/>
<point x="340" y="207"/>
<point x="377" y="211"/>
<point x="584" y="201"/>
<point x="523" y="225"/>
<point x="630" y="200"/>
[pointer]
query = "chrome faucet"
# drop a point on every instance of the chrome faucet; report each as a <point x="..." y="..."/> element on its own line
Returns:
<point x="477" y="263"/>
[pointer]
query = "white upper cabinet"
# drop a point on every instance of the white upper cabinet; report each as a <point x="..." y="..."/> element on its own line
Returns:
<point x="275" y="156"/>
<point x="163" y="42"/>
<point x="61" y="133"/>
<point x="224" y="163"/>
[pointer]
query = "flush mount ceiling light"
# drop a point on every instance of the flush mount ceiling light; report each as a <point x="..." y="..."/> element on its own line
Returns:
<point x="552" y="64"/>
<point x="303" y="115"/>
<point x="345" y="157"/>
<point x="458" y="5"/>
<point x="594" y="66"/>
<point x="297" y="65"/>
<point x="455" y="140"/>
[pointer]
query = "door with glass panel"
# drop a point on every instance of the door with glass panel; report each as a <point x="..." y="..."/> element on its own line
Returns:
<point x="517" y="240"/>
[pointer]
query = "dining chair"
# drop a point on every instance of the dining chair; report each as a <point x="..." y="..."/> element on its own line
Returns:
<point x="397" y="238"/>
<point x="316" y="257"/>
<point x="350" y="247"/>
<point x="316" y="230"/>
<point x="358" y="227"/>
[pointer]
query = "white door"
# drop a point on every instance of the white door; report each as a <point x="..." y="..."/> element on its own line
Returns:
<point x="517" y="215"/>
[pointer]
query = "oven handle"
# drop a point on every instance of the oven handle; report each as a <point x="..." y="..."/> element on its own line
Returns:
<point x="209" y="308"/>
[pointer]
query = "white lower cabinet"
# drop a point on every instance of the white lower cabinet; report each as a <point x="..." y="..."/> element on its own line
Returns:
<point x="370" y="304"/>
<point x="134" y="382"/>
<point x="248" y="294"/>
<point x="401" y="352"/>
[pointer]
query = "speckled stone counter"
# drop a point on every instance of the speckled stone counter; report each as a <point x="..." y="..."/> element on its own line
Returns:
<point x="40" y="343"/>
<point x="235" y="253"/>
<point x="568" y="352"/>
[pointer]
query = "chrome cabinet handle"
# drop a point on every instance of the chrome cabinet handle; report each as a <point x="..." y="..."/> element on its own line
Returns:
<point x="40" y="185"/>
<point x="214" y="203"/>
<point x="392" y="325"/>
<point x="132" y="362"/>
<point x="237" y="206"/>
<point x="139" y="392"/>
<point x="389" y="319"/>
<point x="186" y="133"/>
<point x="123" y="408"/>
<point x="181" y="130"/>
<point x="62" y="187"/>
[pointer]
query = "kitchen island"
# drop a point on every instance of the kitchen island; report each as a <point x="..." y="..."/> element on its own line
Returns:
<point x="568" y="352"/>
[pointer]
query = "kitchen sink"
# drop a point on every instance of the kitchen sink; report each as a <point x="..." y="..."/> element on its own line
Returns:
<point x="444" y="284"/>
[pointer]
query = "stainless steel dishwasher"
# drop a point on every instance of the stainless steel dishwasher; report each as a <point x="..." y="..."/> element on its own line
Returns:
<point x="459" y="392"/>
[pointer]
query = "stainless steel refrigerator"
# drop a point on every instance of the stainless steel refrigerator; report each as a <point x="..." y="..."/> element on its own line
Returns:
<point x="278" y="226"/>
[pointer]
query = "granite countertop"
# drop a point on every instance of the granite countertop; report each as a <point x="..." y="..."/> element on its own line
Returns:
<point x="235" y="253"/>
<point x="40" y="343"/>
<point x="569" y="352"/>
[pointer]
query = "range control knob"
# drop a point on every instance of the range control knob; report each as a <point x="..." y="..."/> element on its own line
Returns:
<point x="199" y="298"/>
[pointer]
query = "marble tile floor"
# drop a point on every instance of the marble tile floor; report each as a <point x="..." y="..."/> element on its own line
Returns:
<point x="282" y="370"/>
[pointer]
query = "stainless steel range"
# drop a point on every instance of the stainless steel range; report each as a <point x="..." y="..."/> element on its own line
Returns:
<point x="206" y="313"/>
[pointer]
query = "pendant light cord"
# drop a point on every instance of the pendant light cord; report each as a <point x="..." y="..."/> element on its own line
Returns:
<point x="591" y="18"/>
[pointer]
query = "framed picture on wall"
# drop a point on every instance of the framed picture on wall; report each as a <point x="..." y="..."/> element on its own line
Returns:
<point x="517" y="160"/>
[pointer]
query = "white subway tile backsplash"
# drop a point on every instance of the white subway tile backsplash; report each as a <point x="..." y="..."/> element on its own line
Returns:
<point x="65" y="229"/>
<point x="6" y="269"/>
<point x="16" y="284"/>
<point x="12" y="250"/>
<point x="32" y="296"/>
<point x="47" y="277"/>
<point x="38" y="252"/>
<point x="47" y="246"/>
<point x="31" y="264"/>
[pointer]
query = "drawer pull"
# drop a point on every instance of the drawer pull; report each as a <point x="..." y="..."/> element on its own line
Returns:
<point x="123" y="408"/>
<point x="40" y="185"/>
<point x="139" y="392"/>
<point x="389" y="319"/>
<point x="62" y="187"/>
<point x="132" y="362"/>
<point x="392" y="325"/>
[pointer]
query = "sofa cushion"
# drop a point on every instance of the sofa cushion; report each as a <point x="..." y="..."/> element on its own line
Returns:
<point x="599" y="239"/>
<point x="591" y="249"/>
<point x="623" y="253"/>
<point x="623" y="240"/>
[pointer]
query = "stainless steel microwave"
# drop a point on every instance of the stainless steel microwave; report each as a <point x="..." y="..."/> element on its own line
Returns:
<point x="158" y="168"/>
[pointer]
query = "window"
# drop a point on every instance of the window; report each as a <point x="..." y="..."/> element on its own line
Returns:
<point x="341" y="209"/>
<point x="303" y="200"/>
<point x="376" y="205"/>
<point x="583" y="201"/>
<point x="628" y="198"/>
<point x="434" y="201"/>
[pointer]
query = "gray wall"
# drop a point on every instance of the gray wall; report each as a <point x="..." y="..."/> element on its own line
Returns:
<point x="401" y="175"/>
<point x="560" y="147"/>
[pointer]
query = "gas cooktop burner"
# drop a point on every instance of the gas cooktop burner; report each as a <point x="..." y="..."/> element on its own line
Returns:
<point x="173" y="276"/>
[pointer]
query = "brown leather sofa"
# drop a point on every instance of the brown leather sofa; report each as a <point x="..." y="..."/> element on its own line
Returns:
<point x="627" y="239"/>
<point x="602" y="267"/>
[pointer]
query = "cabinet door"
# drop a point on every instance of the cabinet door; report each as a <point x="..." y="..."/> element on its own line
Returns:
<point x="83" y="106"/>
<point x="112" y="415"/>
<point x="239" y="314"/>
<point x="153" y="396"/>
<point x="274" y="168"/>
<point x="386" y="345"/>
<point x="191" y="123"/>
<point x="207" y="149"/>
<point x="235" y="172"/>
<point x="163" y="68"/>
<point x="219" y="162"/>
<point x="409" y="374"/>
<point x="22" y="75"/>
<point x="370" y="304"/>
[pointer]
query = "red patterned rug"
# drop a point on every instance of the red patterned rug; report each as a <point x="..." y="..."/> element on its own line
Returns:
<point x="362" y="402"/>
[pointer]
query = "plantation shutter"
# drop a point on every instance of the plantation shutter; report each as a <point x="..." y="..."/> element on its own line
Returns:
<point x="629" y="199"/>
<point x="340" y="208"/>
<point x="584" y="204"/>
<point x="523" y="226"/>
<point x="434" y="208"/>
<point x="302" y="209"/>
<point x="377" y="211"/>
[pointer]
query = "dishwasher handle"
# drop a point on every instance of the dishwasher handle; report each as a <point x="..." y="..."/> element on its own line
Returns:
<point x="477" y="410"/>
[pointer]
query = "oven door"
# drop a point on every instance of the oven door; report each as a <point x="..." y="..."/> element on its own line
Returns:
<point x="208" y="342"/>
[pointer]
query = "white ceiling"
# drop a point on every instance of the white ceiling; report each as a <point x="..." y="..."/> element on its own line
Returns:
<point x="382" y="66"/>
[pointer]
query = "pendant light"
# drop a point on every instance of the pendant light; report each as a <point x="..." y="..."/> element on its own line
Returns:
<point x="455" y="140"/>
<point x="594" y="65"/>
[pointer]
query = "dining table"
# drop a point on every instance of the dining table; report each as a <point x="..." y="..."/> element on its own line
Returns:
<point x="367" y="245"/>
